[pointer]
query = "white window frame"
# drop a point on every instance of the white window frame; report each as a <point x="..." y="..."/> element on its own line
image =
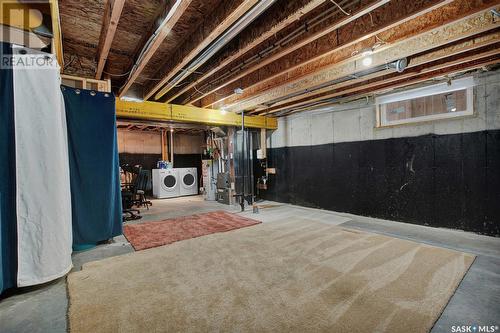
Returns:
<point x="441" y="88"/>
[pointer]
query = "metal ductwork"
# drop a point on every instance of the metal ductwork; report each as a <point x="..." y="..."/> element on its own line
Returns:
<point x="218" y="131"/>
<point x="218" y="43"/>
<point x="399" y="65"/>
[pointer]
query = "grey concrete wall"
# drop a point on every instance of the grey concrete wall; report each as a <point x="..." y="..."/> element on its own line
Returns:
<point x="356" y="121"/>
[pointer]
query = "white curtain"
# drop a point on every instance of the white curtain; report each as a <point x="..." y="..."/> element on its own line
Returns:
<point x="42" y="170"/>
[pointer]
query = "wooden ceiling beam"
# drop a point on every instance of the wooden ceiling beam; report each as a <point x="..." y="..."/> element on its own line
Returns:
<point x="303" y="99"/>
<point x="215" y="24"/>
<point x="112" y="12"/>
<point x="325" y="48"/>
<point x="382" y="87"/>
<point x="476" y="21"/>
<point x="425" y="68"/>
<point x="309" y="37"/>
<point x="416" y="65"/>
<point x="57" y="47"/>
<point x="154" y="42"/>
<point x="265" y="28"/>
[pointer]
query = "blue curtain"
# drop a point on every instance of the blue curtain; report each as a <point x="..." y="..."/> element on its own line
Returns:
<point x="8" y="226"/>
<point x="94" y="165"/>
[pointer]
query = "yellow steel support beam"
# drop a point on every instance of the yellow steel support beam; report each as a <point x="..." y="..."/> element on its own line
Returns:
<point x="188" y="114"/>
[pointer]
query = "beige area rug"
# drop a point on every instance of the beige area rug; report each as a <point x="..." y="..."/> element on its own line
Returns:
<point x="286" y="276"/>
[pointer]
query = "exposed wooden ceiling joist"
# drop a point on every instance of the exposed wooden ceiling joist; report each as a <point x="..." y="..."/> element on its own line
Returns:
<point x="428" y="63"/>
<point x="173" y="16"/>
<point x="383" y="86"/>
<point x="81" y="23"/>
<point x="138" y="125"/>
<point x="420" y="40"/>
<point x="324" y="49"/>
<point x="291" y="54"/>
<point x="112" y="13"/>
<point x="81" y="26"/>
<point x="417" y="64"/>
<point x="309" y="37"/>
<point x="215" y="24"/>
<point x="57" y="47"/>
<point x="276" y="20"/>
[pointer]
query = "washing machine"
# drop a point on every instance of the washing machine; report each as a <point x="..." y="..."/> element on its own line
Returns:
<point x="188" y="181"/>
<point x="166" y="183"/>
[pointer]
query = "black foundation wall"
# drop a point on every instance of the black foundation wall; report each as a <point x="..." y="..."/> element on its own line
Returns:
<point x="189" y="161"/>
<point x="148" y="161"/>
<point x="450" y="181"/>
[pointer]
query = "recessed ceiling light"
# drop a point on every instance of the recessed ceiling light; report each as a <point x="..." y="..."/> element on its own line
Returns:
<point x="367" y="61"/>
<point x="367" y="56"/>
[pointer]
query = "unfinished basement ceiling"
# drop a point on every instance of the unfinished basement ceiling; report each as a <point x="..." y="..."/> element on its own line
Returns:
<point x="293" y="56"/>
<point x="152" y="126"/>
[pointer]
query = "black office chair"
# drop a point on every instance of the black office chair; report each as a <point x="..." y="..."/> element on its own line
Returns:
<point x="128" y="195"/>
<point x="143" y="185"/>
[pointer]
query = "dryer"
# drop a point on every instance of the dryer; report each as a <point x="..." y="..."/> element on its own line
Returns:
<point x="166" y="183"/>
<point x="188" y="179"/>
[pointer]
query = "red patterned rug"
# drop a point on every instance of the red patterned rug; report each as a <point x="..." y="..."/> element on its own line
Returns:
<point x="152" y="234"/>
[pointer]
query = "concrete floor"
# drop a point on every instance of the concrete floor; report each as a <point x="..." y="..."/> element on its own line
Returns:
<point x="476" y="301"/>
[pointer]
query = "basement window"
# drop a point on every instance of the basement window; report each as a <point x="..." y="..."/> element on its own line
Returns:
<point x="439" y="101"/>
